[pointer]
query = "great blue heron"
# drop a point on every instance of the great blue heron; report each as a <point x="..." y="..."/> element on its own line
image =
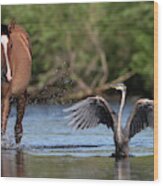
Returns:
<point x="96" y="110"/>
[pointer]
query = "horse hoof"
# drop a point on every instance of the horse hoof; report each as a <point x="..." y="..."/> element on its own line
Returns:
<point x="18" y="138"/>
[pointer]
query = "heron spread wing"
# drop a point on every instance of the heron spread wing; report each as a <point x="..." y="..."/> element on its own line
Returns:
<point x="90" y="112"/>
<point x="141" y="118"/>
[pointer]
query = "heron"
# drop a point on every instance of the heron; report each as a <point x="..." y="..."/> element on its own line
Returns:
<point x="93" y="111"/>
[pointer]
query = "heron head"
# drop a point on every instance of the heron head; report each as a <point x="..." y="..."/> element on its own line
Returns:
<point x="119" y="86"/>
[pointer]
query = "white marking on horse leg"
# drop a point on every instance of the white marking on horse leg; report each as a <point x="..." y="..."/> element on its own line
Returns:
<point x="4" y="41"/>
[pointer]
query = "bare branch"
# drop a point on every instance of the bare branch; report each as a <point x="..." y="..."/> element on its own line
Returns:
<point x="98" y="90"/>
<point x="91" y="66"/>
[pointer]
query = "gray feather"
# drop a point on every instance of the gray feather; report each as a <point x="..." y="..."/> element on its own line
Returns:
<point x="141" y="117"/>
<point x="89" y="113"/>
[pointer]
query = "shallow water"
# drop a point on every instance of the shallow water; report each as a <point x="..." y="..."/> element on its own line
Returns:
<point x="21" y="164"/>
<point x="48" y="139"/>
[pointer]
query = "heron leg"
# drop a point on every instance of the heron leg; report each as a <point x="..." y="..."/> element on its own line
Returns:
<point x="122" y="150"/>
<point x="21" y="103"/>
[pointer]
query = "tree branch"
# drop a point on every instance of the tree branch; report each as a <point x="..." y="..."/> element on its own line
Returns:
<point x="98" y="90"/>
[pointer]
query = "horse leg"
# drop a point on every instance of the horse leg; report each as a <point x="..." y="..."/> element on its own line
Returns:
<point x="5" y="114"/>
<point x="21" y="103"/>
<point x="5" y="107"/>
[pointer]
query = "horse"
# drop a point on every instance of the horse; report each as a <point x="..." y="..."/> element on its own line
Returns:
<point x="20" y="60"/>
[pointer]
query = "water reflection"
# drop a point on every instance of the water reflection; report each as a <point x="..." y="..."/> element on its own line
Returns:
<point x="55" y="151"/>
<point x="122" y="169"/>
<point x="12" y="164"/>
<point x="16" y="163"/>
<point x="19" y="161"/>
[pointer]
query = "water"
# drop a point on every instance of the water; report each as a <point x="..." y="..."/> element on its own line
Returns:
<point x="21" y="164"/>
<point x="49" y="148"/>
<point x="46" y="132"/>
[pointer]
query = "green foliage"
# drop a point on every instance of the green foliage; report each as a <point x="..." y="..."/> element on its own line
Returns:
<point x="123" y="31"/>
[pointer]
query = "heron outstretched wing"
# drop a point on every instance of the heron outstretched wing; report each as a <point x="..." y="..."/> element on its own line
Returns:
<point x="141" y="117"/>
<point x="91" y="112"/>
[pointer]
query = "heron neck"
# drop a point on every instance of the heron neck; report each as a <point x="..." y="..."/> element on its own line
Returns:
<point x="121" y="110"/>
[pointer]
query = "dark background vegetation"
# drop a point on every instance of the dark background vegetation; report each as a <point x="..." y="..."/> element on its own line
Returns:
<point x="79" y="49"/>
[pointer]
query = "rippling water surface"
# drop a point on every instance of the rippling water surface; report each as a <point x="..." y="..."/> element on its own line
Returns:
<point x="46" y="133"/>
<point x="50" y="149"/>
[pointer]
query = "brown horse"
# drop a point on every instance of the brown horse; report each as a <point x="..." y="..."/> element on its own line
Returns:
<point x="19" y="70"/>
